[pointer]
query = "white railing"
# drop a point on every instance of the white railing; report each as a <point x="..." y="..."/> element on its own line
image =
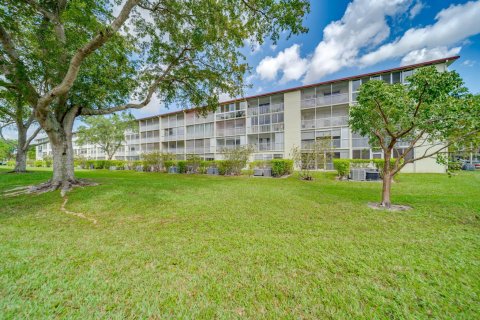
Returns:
<point x="333" y="99"/>
<point x="150" y="139"/>
<point x="268" y="146"/>
<point x="149" y="127"/>
<point x="266" y="128"/>
<point x="231" y="115"/>
<point x="230" y="132"/>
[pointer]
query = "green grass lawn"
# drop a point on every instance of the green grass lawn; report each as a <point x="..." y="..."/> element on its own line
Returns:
<point x="203" y="247"/>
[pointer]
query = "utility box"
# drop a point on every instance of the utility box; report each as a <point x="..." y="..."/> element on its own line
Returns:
<point x="173" y="169"/>
<point x="212" y="170"/>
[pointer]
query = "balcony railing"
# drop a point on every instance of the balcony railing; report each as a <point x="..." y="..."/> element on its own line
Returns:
<point x="273" y="108"/>
<point x="149" y="127"/>
<point x="333" y="99"/>
<point x="230" y="132"/>
<point x="275" y="127"/>
<point x="151" y="139"/>
<point x="268" y="146"/>
<point x="309" y="145"/>
<point x="325" y="122"/>
<point x="231" y="115"/>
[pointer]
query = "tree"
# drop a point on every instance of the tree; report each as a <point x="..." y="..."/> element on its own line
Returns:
<point x="7" y="149"/>
<point x="70" y="58"/>
<point x="106" y="132"/>
<point x="14" y="112"/>
<point x="235" y="159"/>
<point x="431" y="112"/>
<point x="313" y="156"/>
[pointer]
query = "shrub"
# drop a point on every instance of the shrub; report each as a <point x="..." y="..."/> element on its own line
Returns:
<point x="224" y="167"/>
<point x="247" y="172"/>
<point x="169" y="163"/>
<point x="193" y="163"/>
<point x="281" y="167"/>
<point x="11" y="163"/>
<point x="359" y="163"/>
<point x="48" y="161"/>
<point x="342" y="166"/>
<point x="182" y="166"/>
<point x="204" y="165"/>
<point x="236" y="159"/>
<point x="38" y="163"/>
<point x="379" y="164"/>
<point x="259" y="164"/>
<point x="155" y="161"/>
<point x="454" y="166"/>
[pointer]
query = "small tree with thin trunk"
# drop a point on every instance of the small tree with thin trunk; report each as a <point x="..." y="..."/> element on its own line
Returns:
<point x="429" y="113"/>
<point x="106" y="132"/>
<point x="313" y="156"/>
<point x="14" y="113"/>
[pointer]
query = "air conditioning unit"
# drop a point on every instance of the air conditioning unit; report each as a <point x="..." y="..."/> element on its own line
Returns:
<point x="358" y="174"/>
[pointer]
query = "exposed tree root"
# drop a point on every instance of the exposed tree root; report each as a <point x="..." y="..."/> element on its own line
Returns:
<point x="393" y="207"/>
<point x="77" y="214"/>
<point x="48" y="186"/>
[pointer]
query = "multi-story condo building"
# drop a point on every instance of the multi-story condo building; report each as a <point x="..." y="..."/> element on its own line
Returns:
<point x="273" y="123"/>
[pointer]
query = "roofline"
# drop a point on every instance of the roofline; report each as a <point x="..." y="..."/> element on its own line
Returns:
<point x="448" y="60"/>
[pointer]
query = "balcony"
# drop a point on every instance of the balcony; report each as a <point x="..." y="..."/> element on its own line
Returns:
<point x="333" y="99"/>
<point x="268" y="146"/>
<point x="231" y="115"/>
<point x="230" y="132"/>
<point x="149" y="127"/>
<point x="275" y="127"/>
<point x="150" y="139"/>
<point x="325" y="122"/>
<point x="309" y="145"/>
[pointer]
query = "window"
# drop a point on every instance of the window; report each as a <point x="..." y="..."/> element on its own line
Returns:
<point x="356" y="85"/>
<point x="386" y="77"/>
<point x="396" y="77"/>
<point x="361" y="154"/>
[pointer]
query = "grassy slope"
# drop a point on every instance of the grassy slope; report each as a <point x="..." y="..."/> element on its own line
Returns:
<point x="185" y="246"/>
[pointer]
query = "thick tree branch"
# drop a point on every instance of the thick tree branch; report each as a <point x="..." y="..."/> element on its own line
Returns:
<point x="150" y="91"/>
<point x="29" y="140"/>
<point x="384" y="117"/>
<point x="74" y="67"/>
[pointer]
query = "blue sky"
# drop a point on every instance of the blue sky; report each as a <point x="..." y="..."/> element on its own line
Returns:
<point x="351" y="37"/>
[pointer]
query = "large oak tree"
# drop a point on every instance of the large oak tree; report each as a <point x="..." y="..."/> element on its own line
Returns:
<point x="89" y="57"/>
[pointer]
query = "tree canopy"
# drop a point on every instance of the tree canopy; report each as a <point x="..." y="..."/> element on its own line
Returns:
<point x="106" y="132"/>
<point x="72" y="58"/>
<point x="432" y="110"/>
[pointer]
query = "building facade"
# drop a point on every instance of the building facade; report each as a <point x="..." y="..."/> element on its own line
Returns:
<point x="273" y="123"/>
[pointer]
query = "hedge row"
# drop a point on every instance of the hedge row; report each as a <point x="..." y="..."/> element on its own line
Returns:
<point x="343" y="165"/>
<point x="280" y="167"/>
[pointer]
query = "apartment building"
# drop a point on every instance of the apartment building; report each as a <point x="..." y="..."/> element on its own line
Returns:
<point x="130" y="150"/>
<point x="273" y="123"/>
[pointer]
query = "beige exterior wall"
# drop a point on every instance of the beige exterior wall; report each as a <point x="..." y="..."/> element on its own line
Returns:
<point x="292" y="116"/>
<point x="427" y="165"/>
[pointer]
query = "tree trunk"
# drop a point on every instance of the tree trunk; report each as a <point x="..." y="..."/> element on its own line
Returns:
<point x="387" y="184"/>
<point x="387" y="181"/>
<point x="60" y="137"/>
<point x="63" y="168"/>
<point x="21" y="157"/>
<point x="20" y="161"/>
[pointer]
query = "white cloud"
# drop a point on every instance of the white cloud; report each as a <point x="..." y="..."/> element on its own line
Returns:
<point x="362" y="26"/>
<point x="421" y="55"/>
<point x="287" y="62"/>
<point x="415" y="10"/>
<point x="453" y="25"/>
<point x="469" y="63"/>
